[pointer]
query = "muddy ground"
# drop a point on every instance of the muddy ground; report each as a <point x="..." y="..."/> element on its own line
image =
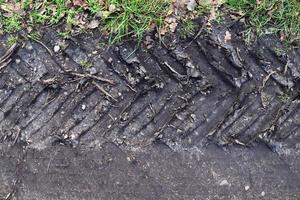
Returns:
<point x="194" y="119"/>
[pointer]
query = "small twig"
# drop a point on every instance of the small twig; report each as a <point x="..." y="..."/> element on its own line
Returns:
<point x="286" y="66"/>
<point x="173" y="70"/>
<point x="93" y="77"/>
<point x="131" y="88"/>
<point x="198" y="34"/>
<point x="266" y="79"/>
<point x="9" y="195"/>
<point x="48" y="102"/>
<point x="131" y="53"/>
<point x="17" y="136"/>
<point x="41" y="43"/>
<point x="76" y="80"/>
<point x="5" y="59"/>
<point x="8" y="53"/>
<point x="104" y="91"/>
<point x="239" y="142"/>
<point x="3" y="65"/>
<point x="236" y="21"/>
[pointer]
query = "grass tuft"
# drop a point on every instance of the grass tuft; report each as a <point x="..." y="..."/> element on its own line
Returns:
<point x="11" y="40"/>
<point x="271" y="17"/>
<point x="187" y="29"/>
<point x="12" y="24"/>
<point x="134" y="17"/>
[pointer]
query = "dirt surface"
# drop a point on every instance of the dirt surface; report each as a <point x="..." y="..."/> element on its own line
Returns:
<point x="195" y="119"/>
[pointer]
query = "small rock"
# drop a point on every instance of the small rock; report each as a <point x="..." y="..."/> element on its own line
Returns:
<point x="224" y="182"/>
<point x="247" y="187"/>
<point x="193" y="116"/>
<point x="83" y="107"/>
<point x="18" y="61"/>
<point x="29" y="47"/>
<point x="93" y="71"/>
<point x="56" y="48"/>
<point x="227" y="37"/>
<point x="119" y="141"/>
<point x="263" y="193"/>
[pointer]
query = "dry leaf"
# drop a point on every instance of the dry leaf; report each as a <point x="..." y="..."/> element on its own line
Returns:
<point x="112" y="8"/>
<point x="81" y="3"/>
<point x="191" y="5"/>
<point x="11" y="7"/>
<point x="93" y="24"/>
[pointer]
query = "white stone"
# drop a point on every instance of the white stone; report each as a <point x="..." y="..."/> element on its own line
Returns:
<point x="56" y="48"/>
<point x="224" y="182"/>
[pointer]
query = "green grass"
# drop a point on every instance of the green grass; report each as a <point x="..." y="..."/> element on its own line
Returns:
<point x="12" y="24"/>
<point x="270" y="17"/>
<point x="11" y="40"/>
<point x="134" y="17"/>
<point x="203" y="8"/>
<point x="94" y="6"/>
<point x="85" y="64"/>
<point x="187" y="29"/>
<point x="122" y="19"/>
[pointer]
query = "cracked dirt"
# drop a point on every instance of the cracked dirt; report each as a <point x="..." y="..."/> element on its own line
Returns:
<point x="200" y="119"/>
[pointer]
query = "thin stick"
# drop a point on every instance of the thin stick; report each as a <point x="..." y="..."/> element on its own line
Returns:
<point x="198" y="34"/>
<point x="104" y="91"/>
<point x="41" y="43"/>
<point x="5" y="64"/>
<point x="93" y="77"/>
<point x="8" y="53"/>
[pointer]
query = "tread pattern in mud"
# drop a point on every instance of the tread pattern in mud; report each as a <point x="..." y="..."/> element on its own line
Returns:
<point x="183" y="94"/>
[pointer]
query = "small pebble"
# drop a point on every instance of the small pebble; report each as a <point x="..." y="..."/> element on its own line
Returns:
<point x="224" y="182"/>
<point x="18" y="61"/>
<point x="83" y="107"/>
<point x="93" y="71"/>
<point x="29" y="47"/>
<point x="247" y="187"/>
<point x="56" y="48"/>
<point x="263" y="193"/>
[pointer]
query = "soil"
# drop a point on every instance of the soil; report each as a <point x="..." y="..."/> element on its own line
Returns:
<point x="202" y="118"/>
